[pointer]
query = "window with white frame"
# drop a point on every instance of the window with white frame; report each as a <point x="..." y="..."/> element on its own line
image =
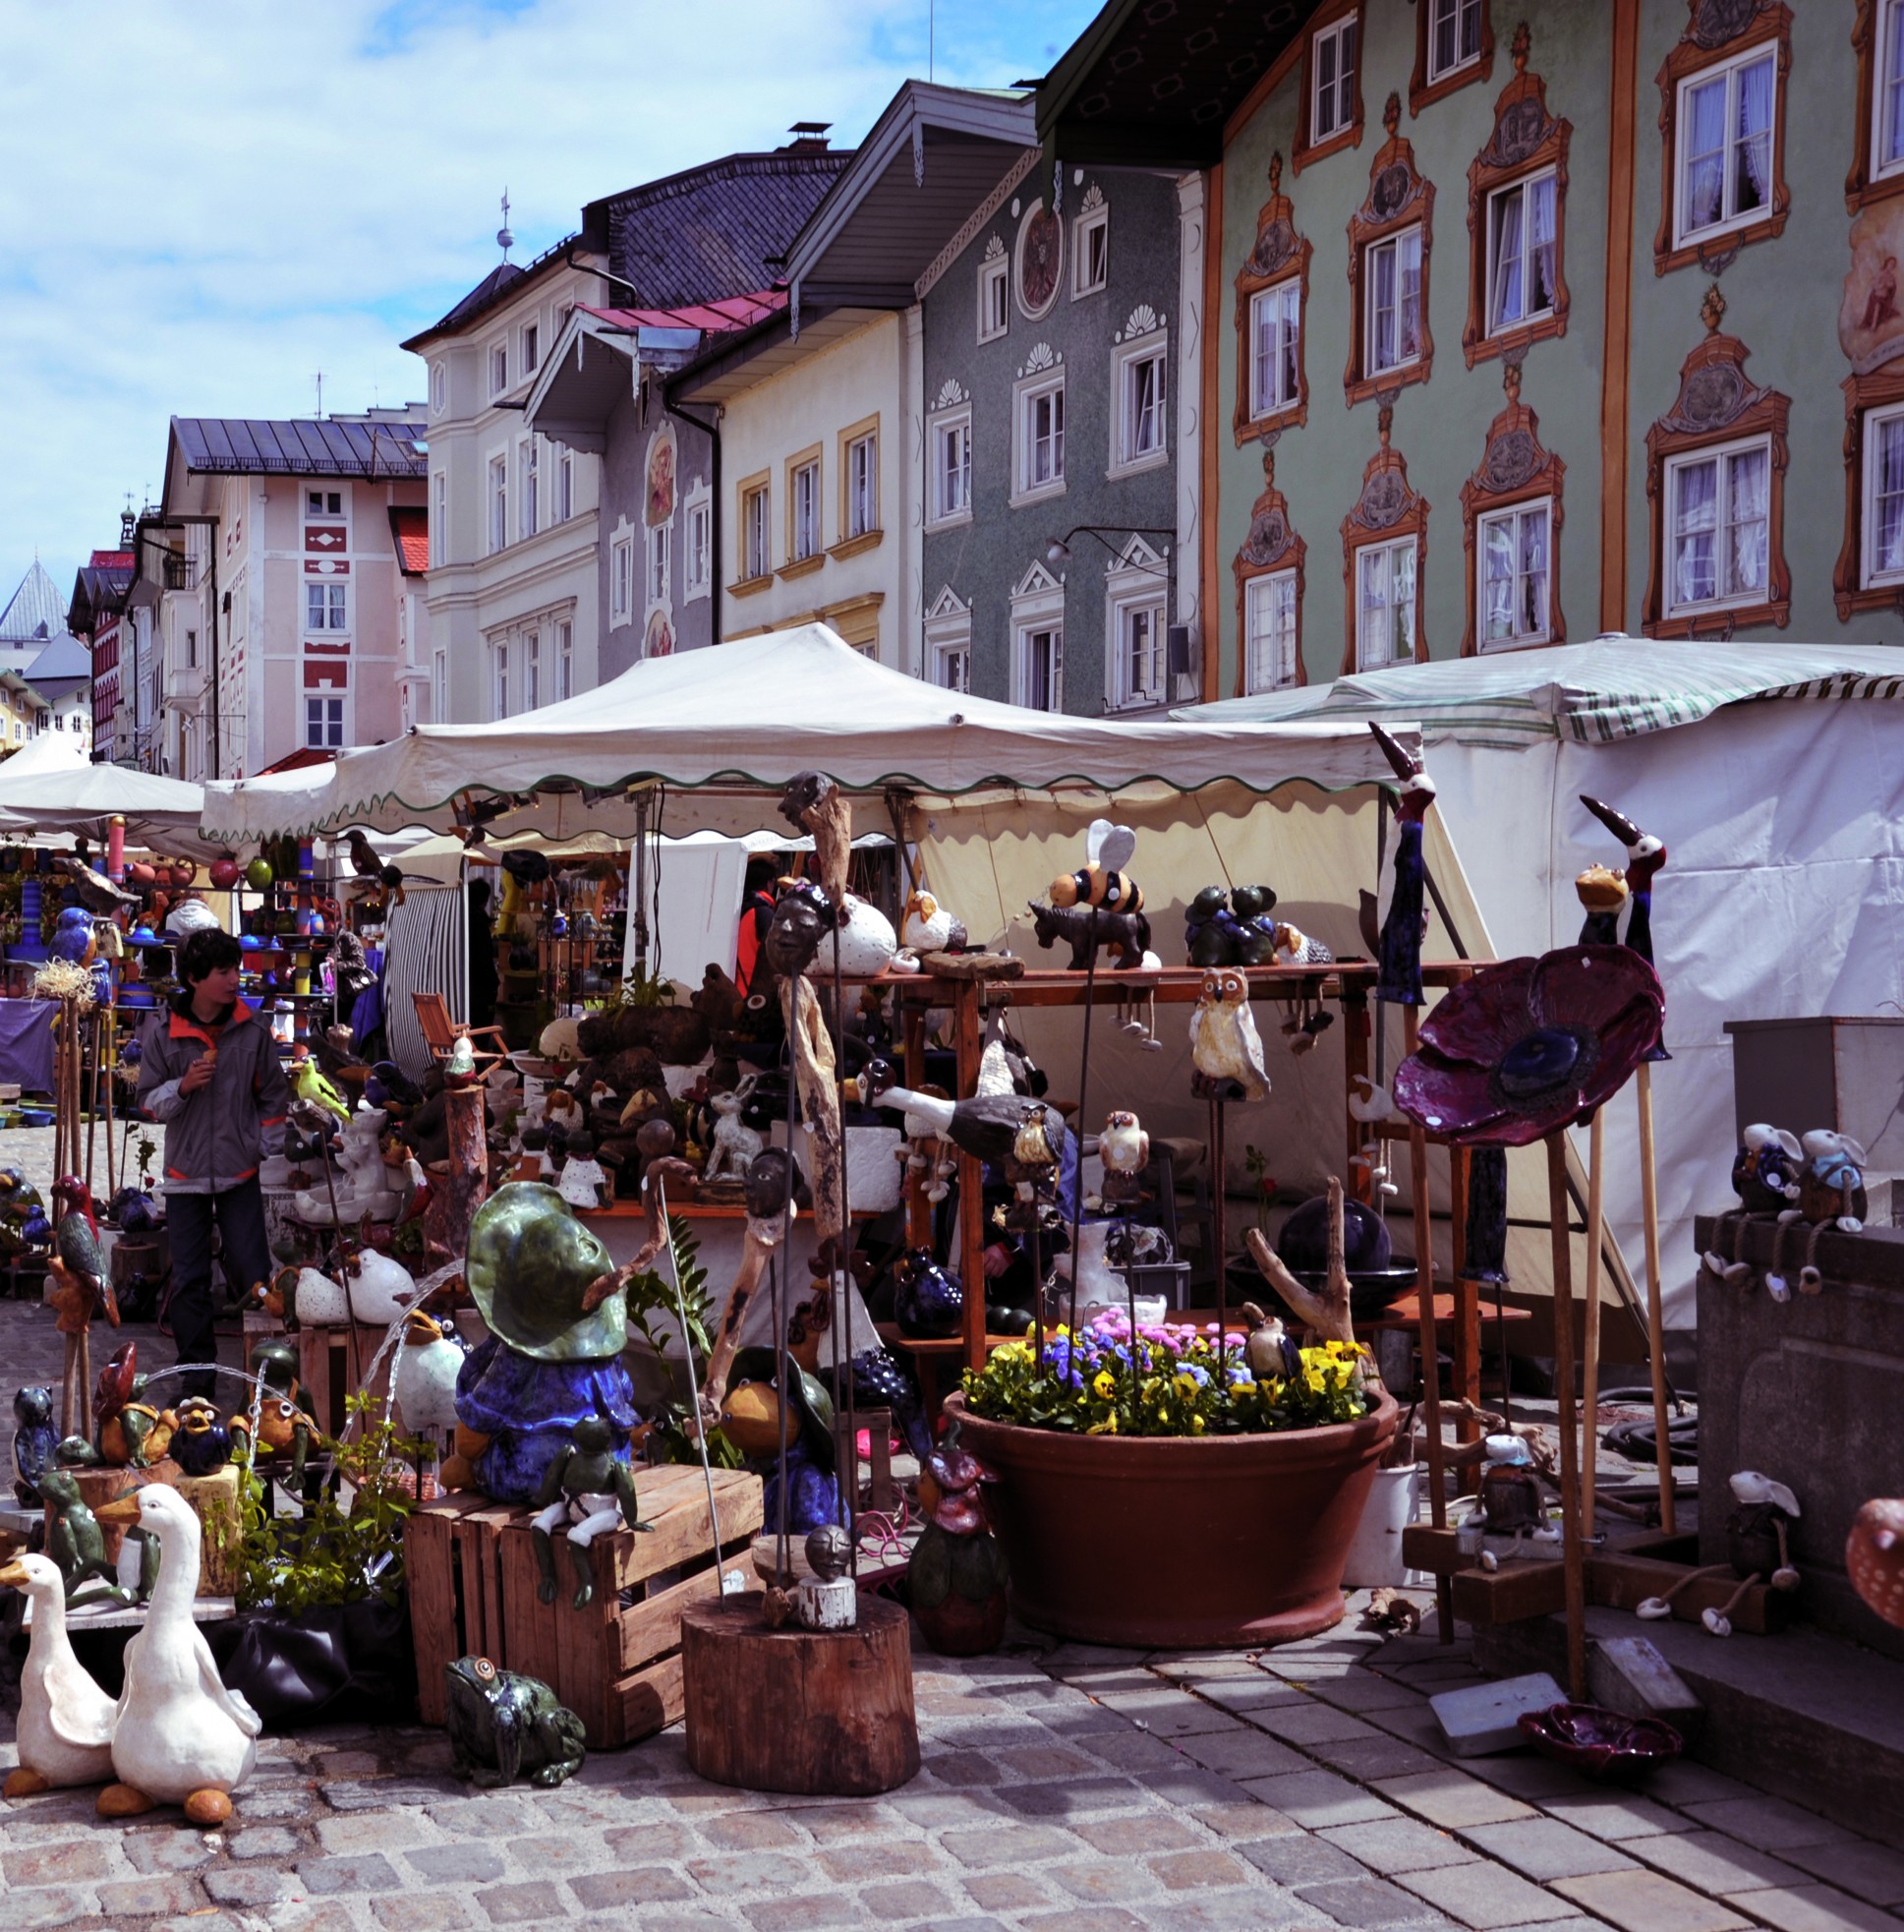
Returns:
<point x="1887" y="78"/>
<point x="498" y="503"/>
<point x="659" y="536"/>
<point x="1041" y="436"/>
<point x="1718" y="507"/>
<point x="499" y="681"/>
<point x="1269" y="632"/>
<point x="1385" y="604"/>
<point x="862" y="485"/>
<point x="1275" y="336"/>
<point x="805" y="537"/>
<point x="1091" y="252"/>
<point x="498" y="367"/>
<point x="323" y="724"/>
<point x="1725" y="143"/>
<point x="565" y="659"/>
<point x="948" y="628"/>
<point x="1332" y="79"/>
<point x="952" y="665"/>
<point x="1140" y="652"/>
<point x="530" y="343"/>
<point x="531" y="487"/>
<point x="439" y="518"/>
<point x="700" y="545"/>
<point x="566" y="486"/>
<point x="1038" y="672"/>
<point x="622" y="578"/>
<point x="1453" y="38"/>
<point x="1392" y="313"/>
<point x="1141" y="384"/>
<point x="1883" y="501"/>
<point x="756" y="551"/>
<point x="326" y="606"/>
<point x="440" y="688"/>
<point x="532" y="670"/>
<point x="323" y="505"/>
<point x="994" y="299"/>
<point x="1512" y="554"/>
<point x="951" y="467"/>
<point x="1520" y="247"/>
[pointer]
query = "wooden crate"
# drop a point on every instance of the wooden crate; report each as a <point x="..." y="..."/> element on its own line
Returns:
<point x="472" y="1581"/>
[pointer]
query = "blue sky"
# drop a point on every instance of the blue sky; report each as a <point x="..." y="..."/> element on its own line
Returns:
<point x="206" y="204"/>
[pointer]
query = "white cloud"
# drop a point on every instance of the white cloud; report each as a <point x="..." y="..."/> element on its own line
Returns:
<point x="206" y="204"/>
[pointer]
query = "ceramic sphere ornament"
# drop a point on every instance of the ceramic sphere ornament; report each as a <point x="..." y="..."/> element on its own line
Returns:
<point x="225" y="873"/>
<point x="259" y="875"/>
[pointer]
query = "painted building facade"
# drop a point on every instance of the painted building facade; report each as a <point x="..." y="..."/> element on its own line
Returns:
<point x="1534" y="324"/>
<point x="510" y="607"/>
<point x="97" y="614"/>
<point x="270" y="590"/>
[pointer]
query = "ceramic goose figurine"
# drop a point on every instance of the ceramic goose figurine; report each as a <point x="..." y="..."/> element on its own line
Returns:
<point x="65" y="1726"/>
<point x="425" y="1375"/>
<point x="179" y="1736"/>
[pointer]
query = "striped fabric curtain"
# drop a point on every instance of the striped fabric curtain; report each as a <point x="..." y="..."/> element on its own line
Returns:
<point x="424" y="952"/>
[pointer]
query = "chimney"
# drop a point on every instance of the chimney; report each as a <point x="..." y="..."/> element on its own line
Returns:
<point x="809" y="137"/>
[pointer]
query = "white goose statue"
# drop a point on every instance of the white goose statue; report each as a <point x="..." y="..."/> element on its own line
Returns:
<point x="65" y="1727"/>
<point x="180" y="1737"/>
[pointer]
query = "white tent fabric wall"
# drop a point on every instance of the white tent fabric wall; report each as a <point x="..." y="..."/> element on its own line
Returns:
<point x="1783" y="896"/>
<point x="423" y="953"/>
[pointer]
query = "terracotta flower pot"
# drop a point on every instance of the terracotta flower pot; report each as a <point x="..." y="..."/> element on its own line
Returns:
<point x="1166" y="1541"/>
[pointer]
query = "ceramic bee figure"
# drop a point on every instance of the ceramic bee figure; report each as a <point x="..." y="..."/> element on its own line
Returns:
<point x="1225" y="1046"/>
<point x="1102" y="882"/>
<point x="1765" y="1172"/>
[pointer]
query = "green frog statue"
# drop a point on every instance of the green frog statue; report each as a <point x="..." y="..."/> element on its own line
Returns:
<point x="503" y="1726"/>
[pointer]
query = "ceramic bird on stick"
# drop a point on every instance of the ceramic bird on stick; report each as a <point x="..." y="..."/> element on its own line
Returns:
<point x="1225" y="1049"/>
<point x="1402" y="933"/>
<point x="80" y="1285"/>
<point x="1645" y="859"/>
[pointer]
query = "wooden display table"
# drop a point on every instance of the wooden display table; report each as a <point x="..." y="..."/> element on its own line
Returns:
<point x="821" y="1712"/>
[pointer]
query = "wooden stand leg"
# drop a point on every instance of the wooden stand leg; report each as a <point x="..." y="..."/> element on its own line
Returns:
<point x="1589" y="1407"/>
<point x="1467" y="1298"/>
<point x="1575" y="1569"/>
<point x="1430" y="1353"/>
<point x="971" y="1179"/>
<point x="1656" y="1312"/>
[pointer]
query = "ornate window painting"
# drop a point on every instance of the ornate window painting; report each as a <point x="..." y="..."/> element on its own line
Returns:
<point x="1269" y="572"/>
<point x="1331" y="112"/>
<point x="1715" y="496"/>
<point x="1272" y="293"/>
<point x="1722" y="120"/>
<point x="1878" y="154"/>
<point x="1517" y="206"/>
<point x="1389" y="241"/>
<point x="1454" y="44"/>
<point x="1511" y="521"/>
<point x="1384" y="545"/>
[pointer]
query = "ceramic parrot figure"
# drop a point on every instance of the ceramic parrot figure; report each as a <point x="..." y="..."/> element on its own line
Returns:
<point x="1401" y="930"/>
<point x="1645" y="859"/>
<point x="308" y="1083"/>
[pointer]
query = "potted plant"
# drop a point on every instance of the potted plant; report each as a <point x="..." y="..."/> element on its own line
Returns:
<point x="1154" y="1492"/>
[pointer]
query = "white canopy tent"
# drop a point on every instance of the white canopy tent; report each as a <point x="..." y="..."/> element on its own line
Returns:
<point x="52" y="785"/>
<point x="1772" y="772"/>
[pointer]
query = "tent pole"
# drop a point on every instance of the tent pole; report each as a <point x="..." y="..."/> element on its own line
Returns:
<point x="1571" y="1563"/>
<point x="1444" y="1589"/>
<point x="1589" y="1407"/>
<point x="1655" y="1312"/>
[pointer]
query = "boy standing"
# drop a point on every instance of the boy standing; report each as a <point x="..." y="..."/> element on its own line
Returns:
<point x="209" y="1073"/>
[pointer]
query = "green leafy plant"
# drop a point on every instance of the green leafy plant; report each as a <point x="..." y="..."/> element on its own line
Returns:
<point x="651" y="1305"/>
<point x="335" y="1552"/>
<point x="637" y="989"/>
<point x="147" y="1150"/>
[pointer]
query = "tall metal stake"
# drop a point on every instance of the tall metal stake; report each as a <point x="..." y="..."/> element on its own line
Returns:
<point x="1590" y="1405"/>
<point x="1425" y="1329"/>
<point x="1655" y="1308"/>
<point x="1569" y="1546"/>
<point x="1077" y="1153"/>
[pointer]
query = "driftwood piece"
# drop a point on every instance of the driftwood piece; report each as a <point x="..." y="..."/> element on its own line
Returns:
<point x="1325" y="1315"/>
<point x="973" y="965"/>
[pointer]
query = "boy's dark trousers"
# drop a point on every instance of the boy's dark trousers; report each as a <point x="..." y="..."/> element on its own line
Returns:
<point x="239" y="1213"/>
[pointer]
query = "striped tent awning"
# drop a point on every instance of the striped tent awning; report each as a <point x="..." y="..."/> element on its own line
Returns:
<point x="1599" y="693"/>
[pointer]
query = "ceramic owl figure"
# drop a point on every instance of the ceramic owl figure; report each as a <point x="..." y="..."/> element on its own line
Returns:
<point x="1225" y="1045"/>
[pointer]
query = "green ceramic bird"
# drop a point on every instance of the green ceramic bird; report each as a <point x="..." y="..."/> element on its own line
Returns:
<point x="76" y="1541"/>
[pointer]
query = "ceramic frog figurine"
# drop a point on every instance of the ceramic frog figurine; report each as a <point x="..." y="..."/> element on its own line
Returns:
<point x="503" y="1726"/>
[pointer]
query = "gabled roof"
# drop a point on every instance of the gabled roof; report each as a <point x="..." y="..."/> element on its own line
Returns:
<point x="34" y="610"/>
<point x="410" y="532"/>
<point x="65" y="659"/>
<point x="932" y="159"/>
<point x="1149" y="85"/>
<point x="501" y="284"/>
<point x="714" y="230"/>
<point x="229" y="445"/>
<point x="99" y="590"/>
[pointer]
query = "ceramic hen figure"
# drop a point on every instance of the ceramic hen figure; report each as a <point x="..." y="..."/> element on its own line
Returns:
<point x="64" y="1729"/>
<point x="179" y="1736"/>
<point x="424" y="1377"/>
<point x="1873" y="1557"/>
<point x="990" y="1127"/>
<point x="1403" y="928"/>
<point x="926" y="926"/>
<point x="1225" y="1046"/>
<point x="957" y="1576"/>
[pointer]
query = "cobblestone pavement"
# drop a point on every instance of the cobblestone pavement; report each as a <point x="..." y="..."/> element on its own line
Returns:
<point x="1069" y="1788"/>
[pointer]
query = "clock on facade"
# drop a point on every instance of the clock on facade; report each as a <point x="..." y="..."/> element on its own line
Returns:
<point x="1041" y="251"/>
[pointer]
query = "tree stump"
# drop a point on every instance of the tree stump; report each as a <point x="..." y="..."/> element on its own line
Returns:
<point x="792" y="1710"/>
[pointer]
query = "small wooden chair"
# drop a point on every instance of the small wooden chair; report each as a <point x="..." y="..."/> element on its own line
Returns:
<point x="439" y="1030"/>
